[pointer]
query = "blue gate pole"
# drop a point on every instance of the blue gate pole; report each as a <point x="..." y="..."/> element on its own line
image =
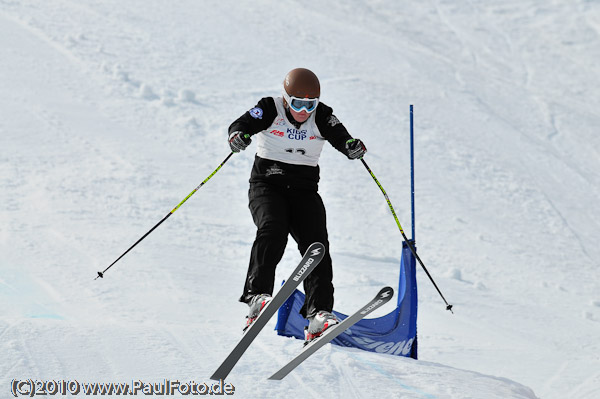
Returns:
<point x="412" y="173"/>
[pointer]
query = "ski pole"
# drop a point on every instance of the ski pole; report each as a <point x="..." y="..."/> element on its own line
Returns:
<point x="101" y="274"/>
<point x="410" y="246"/>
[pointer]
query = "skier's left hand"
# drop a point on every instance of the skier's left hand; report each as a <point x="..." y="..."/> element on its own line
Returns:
<point x="355" y="149"/>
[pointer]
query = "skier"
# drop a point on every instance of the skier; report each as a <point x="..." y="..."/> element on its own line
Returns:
<point x="283" y="198"/>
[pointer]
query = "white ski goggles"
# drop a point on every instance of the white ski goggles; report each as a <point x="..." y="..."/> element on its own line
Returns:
<point x="298" y="104"/>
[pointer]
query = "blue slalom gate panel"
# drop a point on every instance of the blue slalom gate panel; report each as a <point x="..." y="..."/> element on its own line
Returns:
<point x="394" y="333"/>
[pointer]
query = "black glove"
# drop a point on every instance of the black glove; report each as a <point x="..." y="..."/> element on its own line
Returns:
<point x="355" y="149"/>
<point x="238" y="141"/>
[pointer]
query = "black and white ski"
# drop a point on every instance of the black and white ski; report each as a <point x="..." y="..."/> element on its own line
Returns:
<point x="382" y="297"/>
<point x="310" y="260"/>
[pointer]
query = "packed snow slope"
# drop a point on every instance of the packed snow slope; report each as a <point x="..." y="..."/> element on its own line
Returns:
<point x="111" y="112"/>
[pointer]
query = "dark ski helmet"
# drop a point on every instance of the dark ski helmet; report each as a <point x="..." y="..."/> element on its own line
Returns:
<point x="301" y="83"/>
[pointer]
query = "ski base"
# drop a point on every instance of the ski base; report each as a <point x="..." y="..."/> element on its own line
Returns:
<point x="314" y="254"/>
<point x="330" y="334"/>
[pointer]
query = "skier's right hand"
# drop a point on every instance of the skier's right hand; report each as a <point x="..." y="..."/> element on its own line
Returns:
<point x="238" y="141"/>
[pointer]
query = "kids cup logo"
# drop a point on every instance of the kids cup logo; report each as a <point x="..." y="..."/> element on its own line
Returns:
<point x="296" y="134"/>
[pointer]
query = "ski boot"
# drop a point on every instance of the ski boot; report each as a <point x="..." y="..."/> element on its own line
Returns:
<point x="318" y="325"/>
<point x="257" y="304"/>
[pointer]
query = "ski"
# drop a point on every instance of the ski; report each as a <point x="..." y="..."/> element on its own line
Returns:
<point x="310" y="260"/>
<point x="381" y="298"/>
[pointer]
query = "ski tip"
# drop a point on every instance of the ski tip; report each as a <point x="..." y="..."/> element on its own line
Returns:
<point x="316" y="244"/>
<point x="316" y="249"/>
<point x="386" y="292"/>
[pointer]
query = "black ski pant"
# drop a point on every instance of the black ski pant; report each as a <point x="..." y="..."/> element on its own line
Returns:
<point x="277" y="213"/>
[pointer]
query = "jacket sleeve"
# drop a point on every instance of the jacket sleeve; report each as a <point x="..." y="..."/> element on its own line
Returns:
<point x="331" y="128"/>
<point x="256" y="119"/>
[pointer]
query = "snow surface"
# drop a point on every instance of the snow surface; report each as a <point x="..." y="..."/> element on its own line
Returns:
<point x="112" y="112"/>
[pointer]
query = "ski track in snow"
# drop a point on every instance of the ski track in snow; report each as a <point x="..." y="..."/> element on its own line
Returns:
<point x="111" y="113"/>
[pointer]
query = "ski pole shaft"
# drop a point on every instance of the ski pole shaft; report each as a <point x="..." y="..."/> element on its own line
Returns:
<point x="101" y="274"/>
<point x="410" y="245"/>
